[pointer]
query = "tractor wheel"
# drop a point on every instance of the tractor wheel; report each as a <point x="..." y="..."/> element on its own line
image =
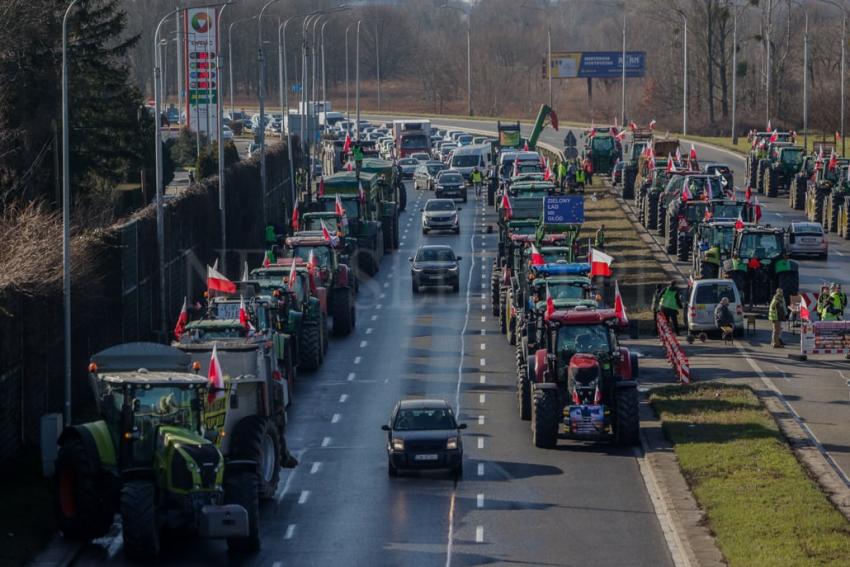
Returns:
<point x="545" y="416"/>
<point x="241" y="488"/>
<point x="798" y="202"/>
<point x="846" y="219"/>
<point x="138" y="515"/>
<point x="523" y="393"/>
<point x="324" y="329"/>
<point x="762" y="169"/>
<point x="310" y="346"/>
<point x="83" y="508"/>
<point x="789" y="282"/>
<point x="670" y="236"/>
<point x="342" y="310"/>
<point x="832" y="210"/>
<point x="641" y="215"/>
<point x="661" y="211"/>
<point x="503" y="327"/>
<point x="751" y="171"/>
<point x="651" y="210"/>
<point x="494" y="291"/>
<point x="256" y="439"/>
<point x="511" y="328"/>
<point x="772" y="184"/>
<point x="629" y="183"/>
<point x="627" y="424"/>
<point x="818" y="206"/>
<point x="683" y="246"/>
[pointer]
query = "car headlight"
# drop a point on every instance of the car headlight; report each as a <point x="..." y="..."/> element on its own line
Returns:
<point x="454" y="219"/>
<point x="398" y="444"/>
<point x="453" y="269"/>
<point x="451" y="443"/>
<point x="416" y="270"/>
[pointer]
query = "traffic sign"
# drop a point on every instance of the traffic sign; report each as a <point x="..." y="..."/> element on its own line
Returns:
<point x="296" y="88"/>
<point x="564" y="210"/>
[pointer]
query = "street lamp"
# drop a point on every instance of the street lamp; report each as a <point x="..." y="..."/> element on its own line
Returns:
<point x="685" y="77"/>
<point x="378" y="63"/>
<point x="843" y="67"/>
<point x="230" y="55"/>
<point x="261" y="60"/>
<point x="357" y="81"/>
<point x="66" y="213"/>
<point x="347" y="107"/>
<point x="469" y="59"/>
<point x="222" y="204"/>
<point x="284" y="98"/>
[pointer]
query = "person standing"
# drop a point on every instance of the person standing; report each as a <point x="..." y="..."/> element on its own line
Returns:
<point x="776" y="314"/>
<point x="599" y="241"/>
<point x="670" y="304"/>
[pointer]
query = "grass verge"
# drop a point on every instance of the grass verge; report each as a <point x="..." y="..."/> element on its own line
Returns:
<point x="759" y="501"/>
<point x="26" y="524"/>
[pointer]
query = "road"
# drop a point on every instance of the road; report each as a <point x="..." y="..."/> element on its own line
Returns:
<point x="582" y="504"/>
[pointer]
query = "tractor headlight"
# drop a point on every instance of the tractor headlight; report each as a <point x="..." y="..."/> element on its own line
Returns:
<point x="451" y="443"/>
<point x="398" y="444"/>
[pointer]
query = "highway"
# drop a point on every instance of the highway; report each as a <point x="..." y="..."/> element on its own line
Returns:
<point x="582" y="503"/>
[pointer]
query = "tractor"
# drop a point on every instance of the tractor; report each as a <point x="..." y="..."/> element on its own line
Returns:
<point x="759" y="264"/>
<point x="641" y="139"/>
<point x="719" y="234"/>
<point x="797" y="192"/>
<point x="700" y="187"/>
<point x="820" y="190"/>
<point x="392" y="186"/>
<point x="147" y="457"/>
<point x="603" y="150"/>
<point x="755" y="160"/>
<point x="835" y="197"/>
<point x="784" y="163"/>
<point x="335" y="224"/>
<point x="333" y="275"/>
<point x="583" y="379"/>
<point x="690" y="215"/>
<point x="650" y="191"/>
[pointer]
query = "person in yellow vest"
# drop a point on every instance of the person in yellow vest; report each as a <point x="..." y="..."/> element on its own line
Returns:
<point x="670" y="304"/>
<point x="823" y="299"/>
<point x="834" y="308"/>
<point x="776" y="314"/>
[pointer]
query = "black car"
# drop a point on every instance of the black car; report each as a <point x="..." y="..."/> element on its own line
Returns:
<point x="434" y="266"/>
<point x="423" y="434"/>
<point x="450" y="185"/>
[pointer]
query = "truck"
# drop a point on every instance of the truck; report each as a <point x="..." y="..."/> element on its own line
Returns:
<point x="411" y="136"/>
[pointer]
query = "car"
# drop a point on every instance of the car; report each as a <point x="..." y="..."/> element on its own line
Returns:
<point x="408" y="165"/>
<point x="226" y="133"/>
<point x="424" y="434"/>
<point x="807" y="238"/>
<point x="446" y="149"/>
<point x="478" y="140"/>
<point x="703" y="298"/>
<point x="465" y="139"/>
<point x="435" y="265"/>
<point x="617" y="172"/>
<point x="450" y="184"/>
<point x="714" y="168"/>
<point x="424" y="175"/>
<point x="421" y="157"/>
<point x="440" y="214"/>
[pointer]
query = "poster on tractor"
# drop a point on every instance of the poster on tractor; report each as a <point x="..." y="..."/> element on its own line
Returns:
<point x="201" y="71"/>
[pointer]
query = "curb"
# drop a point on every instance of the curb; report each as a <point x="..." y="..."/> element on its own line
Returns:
<point x="58" y="553"/>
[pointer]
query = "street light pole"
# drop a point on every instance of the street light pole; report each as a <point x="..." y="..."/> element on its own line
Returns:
<point x="469" y="66"/>
<point x="66" y="213"/>
<point x="284" y="101"/>
<point x="378" y="64"/>
<point x="222" y="203"/>
<point x="357" y="81"/>
<point x="324" y="85"/>
<point x="261" y="60"/>
<point x="734" y="73"/>
<point x="623" y="101"/>
<point x="806" y="84"/>
<point x="685" y="86"/>
<point x="179" y="50"/>
<point x="767" y="65"/>
<point x="843" y="68"/>
<point x="347" y="107"/>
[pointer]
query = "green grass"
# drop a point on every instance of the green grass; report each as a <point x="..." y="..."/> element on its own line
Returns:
<point x="26" y="524"/>
<point x="762" y="507"/>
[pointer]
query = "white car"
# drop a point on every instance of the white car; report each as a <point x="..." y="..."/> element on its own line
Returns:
<point x="226" y="133"/>
<point x="704" y="297"/>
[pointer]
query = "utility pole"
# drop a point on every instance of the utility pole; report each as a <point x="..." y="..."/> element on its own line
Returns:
<point x="806" y="85"/>
<point x="378" y="64"/>
<point x="180" y="83"/>
<point x="222" y="177"/>
<point x="734" y="73"/>
<point x="685" y="86"/>
<point x="261" y="91"/>
<point x="623" y="101"/>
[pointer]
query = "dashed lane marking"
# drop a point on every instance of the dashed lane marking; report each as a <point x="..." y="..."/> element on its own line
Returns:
<point x="363" y="344"/>
<point x="483" y="379"/>
<point x="315" y="468"/>
<point x="326" y="441"/>
<point x="369" y="331"/>
<point x="351" y="376"/>
<point x="290" y="531"/>
<point x="305" y="494"/>
<point x="483" y="346"/>
<point x="482" y="398"/>
<point x="483" y="362"/>
<point x="483" y="332"/>
<point x="480" y="469"/>
<point x="336" y="417"/>
<point x="357" y="359"/>
<point x="374" y="317"/>
<point x="483" y="318"/>
<point x="480" y="442"/>
<point x="479" y="501"/>
<point x="480" y="420"/>
<point x="343" y="398"/>
<point x="479" y="534"/>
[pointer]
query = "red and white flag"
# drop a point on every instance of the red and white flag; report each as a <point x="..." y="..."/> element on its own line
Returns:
<point x="215" y="377"/>
<point x="516" y="167"/>
<point x="619" y="306"/>
<point x="321" y="191"/>
<point x="756" y="209"/>
<point x="707" y="216"/>
<point x="833" y="161"/>
<point x="632" y="126"/>
<point x="243" y="313"/>
<point x="296" y="215"/>
<point x="686" y="192"/>
<point x="217" y="282"/>
<point x="805" y="314"/>
<point x="547" y="173"/>
<point x="525" y="147"/>
<point x="651" y="161"/>
<point x="182" y="320"/>
<point x="293" y="274"/>
<point x="311" y="262"/>
<point x="267" y="260"/>
<point x="507" y="210"/>
<point x="536" y="257"/>
<point x="678" y="157"/>
<point x="347" y="145"/>
<point x="748" y="194"/>
<point x="693" y="153"/>
<point x="670" y="168"/>
<point x="326" y="234"/>
<point x="739" y="223"/>
<point x="769" y="129"/>
<point x="652" y="125"/>
<point x="774" y="136"/>
<point x="550" y="305"/>
<point x="600" y="263"/>
<point x="349" y="167"/>
<point x="340" y="211"/>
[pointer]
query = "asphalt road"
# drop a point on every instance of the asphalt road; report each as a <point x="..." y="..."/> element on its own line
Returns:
<point x="580" y="504"/>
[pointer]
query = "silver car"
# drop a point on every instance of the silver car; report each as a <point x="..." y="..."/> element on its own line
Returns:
<point x="703" y="299"/>
<point x="440" y="214"/>
<point x="807" y="239"/>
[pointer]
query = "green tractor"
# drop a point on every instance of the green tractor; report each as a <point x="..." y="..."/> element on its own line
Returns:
<point x="365" y="212"/>
<point x="393" y="186"/>
<point x="820" y="191"/>
<point x="603" y="150"/>
<point x="641" y="139"/>
<point x="784" y="163"/>
<point x="835" y="198"/>
<point x="756" y="160"/>
<point x="348" y="246"/>
<point x="650" y="192"/>
<point x="797" y="192"/>
<point x="712" y="245"/>
<point x="148" y="459"/>
<point x="759" y="264"/>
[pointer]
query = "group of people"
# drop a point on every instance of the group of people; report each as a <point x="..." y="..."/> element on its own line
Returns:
<point x="831" y="303"/>
<point x="573" y="175"/>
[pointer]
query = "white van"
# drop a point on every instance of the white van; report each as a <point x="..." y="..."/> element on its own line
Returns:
<point x="704" y="297"/>
<point x="465" y="159"/>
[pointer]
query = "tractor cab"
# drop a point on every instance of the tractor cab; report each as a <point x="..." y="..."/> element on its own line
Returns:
<point x="760" y="264"/>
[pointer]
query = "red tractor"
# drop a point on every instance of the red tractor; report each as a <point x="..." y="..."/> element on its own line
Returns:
<point x="583" y="379"/>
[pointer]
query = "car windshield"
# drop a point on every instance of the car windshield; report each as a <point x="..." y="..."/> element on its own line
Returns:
<point x="722" y="211"/>
<point x="584" y="338"/>
<point x="420" y="157"/>
<point x="698" y="185"/>
<point x="722" y="237"/>
<point x="529" y="167"/>
<point x="440" y="205"/>
<point x="349" y="204"/>
<point x="555" y="256"/>
<point x="760" y="245"/>
<point x="434" y="169"/>
<point x="713" y="293"/>
<point x="408" y="161"/>
<point x="417" y="141"/>
<point x="602" y="144"/>
<point x="465" y="161"/>
<point x="566" y="290"/>
<point x="451" y="178"/>
<point x="424" y="419"/>
<point x="435" y="255"/>
<point x="792" y="155"/>
<point x="321" y="254"/>
<point x="229" y="332"/>
<point x="695" y="212"/>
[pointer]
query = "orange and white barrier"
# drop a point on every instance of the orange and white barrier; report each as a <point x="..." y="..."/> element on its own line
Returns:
<point x="673" y="350"/>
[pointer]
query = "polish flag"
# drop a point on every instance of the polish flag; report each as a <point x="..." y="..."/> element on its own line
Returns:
<point x="769" y="129"/>
<point x="347" y="145"/>
<point x="619" y="306"/>
<point x="506" y="206"/>
<point x="339" y="210"/>
<point x="553" y="120"/>
<point x="833" y="161"/>
<point x="547" y="173"/>
<point x="686" y="193"/>
<point x="550" y="305"/>
<point x="651" y="161"/>
<point x="739" y="223"/>
<point x="293" y="274"/>
<point x="267" y="261"/>
<point x="774" y="136"/>
<point x="748" y="194"/>
<point x="348" y="166"/>
<point x="295" y="217"/>
<point x="837" y="137"/>
<point x="361" y="193"/>
<point x="652" y="125"/>
<point x="536" y="257"/>
<point x="805" y="315"/>
<point x="516" y="167"/>
<point x="819" y="160"/>
<point x="525" y="147"/>
<point x="757" y="209"/>
<point x="707" y="216"/>
<point x="311" y="263"/>
<point x="243" y="313"/>
<point x="678" y="157"/>
<point x="217" y="282"/>
<point x="670" y="167"/>
<point x="600" y="263"/>
<point x="632" y="126"/>
<point x="326" y="234"/>
<point x="182" y="320"/>
<point x="215" y="378"/>
<point x="246" y="273"/>
<point x="620" y="136"/>
<point x="321" y="191"/>
<point x="693" y="153"/>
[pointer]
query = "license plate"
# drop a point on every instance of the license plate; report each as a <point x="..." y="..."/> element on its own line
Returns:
<point x="808" y="239"/>
<point x="428" y="457"/>
<point x="227" y="310"/>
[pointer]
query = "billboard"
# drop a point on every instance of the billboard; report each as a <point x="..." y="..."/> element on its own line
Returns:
<point x="597" y="64"/>
<point x="201" y="71"/>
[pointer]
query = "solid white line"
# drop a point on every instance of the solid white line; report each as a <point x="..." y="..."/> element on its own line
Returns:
<point x="369" y="331"/>
<point x="363" y="344"/>
<point x="480" y="469"/>
<point x="357" y="360"/>
<point x="480" y="420"/>
<point x="480" y="442"/>
<point x="483" y="379"/>
<point x="343" y="398"/>
<point x="326" y="441"/>
<point x="479" y="534"/>
<point x="480" y="500"/>
<point x="305" y="494"/>
<point x="336" y="417"/>
<point x="351" y="376"/>
<point x="482" y="398"/>
<point x="290" y="531"/>
<point x="483" y="362"/>
<point x="315" y="468"/>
